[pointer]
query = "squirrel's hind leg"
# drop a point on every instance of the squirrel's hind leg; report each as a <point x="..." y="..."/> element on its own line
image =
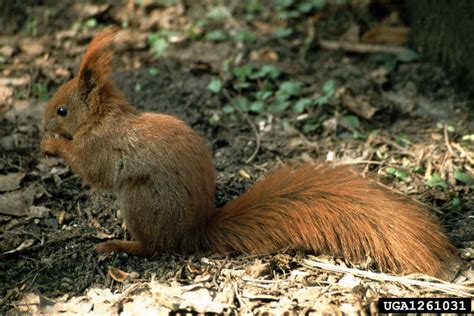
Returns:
<point x="132" y="247"/>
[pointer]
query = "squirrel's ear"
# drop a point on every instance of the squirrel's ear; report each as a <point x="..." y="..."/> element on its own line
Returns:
<point x="95" y="66"/>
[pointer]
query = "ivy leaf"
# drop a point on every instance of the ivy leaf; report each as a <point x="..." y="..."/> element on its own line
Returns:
<point x="242" y="103"/>
<point x="408" y="55"/>
<point x="263" y="95"/>
<point x="215" y="86"/>
<point x="436" y="181"/>
<point x="310" y="126"/>
<point x="329" y="88"/>
<point x="228" y="109"/>
<point x="266" y="70"/>
<point x="350" y="121"/>
<point x="243" y="72"/>
<point x="301" y="105"/>
<point x="463" y="177"/>
<point x="153" y="72"/>
<point x="288" y="89"/>
<point x="279" y="105"/>
<point x="257" y="106"/>
<point x="283" y="32"/>
<point x="216" y="36"/>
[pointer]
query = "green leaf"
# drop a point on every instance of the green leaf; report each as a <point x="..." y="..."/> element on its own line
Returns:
<point x="158" y="44"/>
<point x="289" y="88"/>
<point x="279" y="105"/>
<point x="397" y="173"/>
<point x="242" y="103"/>
<point x="263" y="95"/>
<point x="329" y="88"/>
<point x="41" y="91"/>
<point x="402" y="140"/>
<point x="307" y="6"/>
<point x="90" y="23"/>
<point x="228" y="109"/>
<point x="463" y="177"/>
<point x="283" y="32"/>
<point x="266" y="70"/>
<point x="321" y="100"/>
<point x="359" y="135"/>
<point x="137" y="87"/>
<point x="436" y="181"/>
<point x="244" y="36"/>
<point x="455" y="203"/>
<point x="408" y="55"/>
<point x="449" y="128"/>
<point x="290" y="14"/>
<point x="257" y="106"/>
<point x="243" y="72"/>
<point x="468" y="137"/>
<point x="402" y="175"/>
<point x="418" y="170"/>
<point x="216" y="36"/>
<point x="153" y="71"/>
<point x="310" y="125"/>
<point x="215" y="86"/>
<point x="253" y="6"/>
<point x="283" y="4"/>
<point x="301" y="105"/>
<point x="350" y="121"/>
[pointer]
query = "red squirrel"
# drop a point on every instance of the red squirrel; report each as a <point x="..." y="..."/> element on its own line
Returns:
<point x="163" y="176"/>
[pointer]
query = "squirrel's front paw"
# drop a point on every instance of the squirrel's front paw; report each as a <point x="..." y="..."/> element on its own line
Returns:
<point x="51" y="146"/>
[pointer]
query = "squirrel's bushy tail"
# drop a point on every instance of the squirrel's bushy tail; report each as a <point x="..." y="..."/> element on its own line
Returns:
<point x="325" y="209"/>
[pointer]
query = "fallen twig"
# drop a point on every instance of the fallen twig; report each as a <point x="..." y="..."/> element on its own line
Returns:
<point x="439" y="285"/>
<point x="362" y="48"/>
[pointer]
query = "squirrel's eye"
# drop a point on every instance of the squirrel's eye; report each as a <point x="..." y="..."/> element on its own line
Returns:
<point x="62" y="111"/>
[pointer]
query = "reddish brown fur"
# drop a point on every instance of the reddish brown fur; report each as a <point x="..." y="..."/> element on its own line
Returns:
<point x="162" y="174"/>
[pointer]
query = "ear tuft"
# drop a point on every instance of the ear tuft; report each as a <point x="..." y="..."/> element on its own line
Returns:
<point x="95" y="66"/>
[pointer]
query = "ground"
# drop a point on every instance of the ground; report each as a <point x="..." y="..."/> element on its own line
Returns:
<point x="259" y="84"/>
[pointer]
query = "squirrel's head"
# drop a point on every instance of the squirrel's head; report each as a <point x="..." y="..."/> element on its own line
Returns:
<point x="80" y="100"/>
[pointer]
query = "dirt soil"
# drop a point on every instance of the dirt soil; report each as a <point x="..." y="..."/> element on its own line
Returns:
<point x="50" y="222"/>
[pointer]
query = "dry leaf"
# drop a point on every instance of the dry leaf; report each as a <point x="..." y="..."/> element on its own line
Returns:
<point x="7" y="51"/>
<point x="244" y="174"/>
<point x="201" y="301"/>
<point x="127" y="38"/>
<point x="102" y="236"/>
<point x="307" y="294"/>
<point x="352" y="33"/>
<point x="11" y="181"/>
<point x="357" y="104"/>
<point x="265" y="27"/>
<point x="349" y="281"/>
<point x="257" y="269"/>
<point x="38" y="212"/>
<point x="6" y="94"/>
<point x="265" y="54"/>
<point x="61" y="216"/>
<point x="24" y="245"/>
<point x="21" y="81"/>
<point x="389" y="35"/>
<point x="16" y="203"/>
<point x="31" y="46"/>
<point x="117" y="275"/>
<point x="90" y="10"/>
